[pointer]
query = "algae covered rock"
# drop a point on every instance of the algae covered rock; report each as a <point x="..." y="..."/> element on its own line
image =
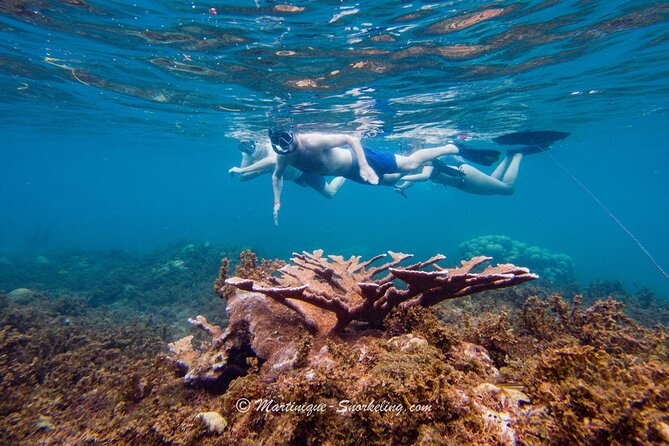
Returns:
<point x="42" y="260"/>
<point x="22" y="294"/>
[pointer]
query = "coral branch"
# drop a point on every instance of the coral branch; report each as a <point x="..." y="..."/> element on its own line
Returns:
<point x="398" y="258"/>
<point x="330" y="292"/>
<point x="201" y="322"/>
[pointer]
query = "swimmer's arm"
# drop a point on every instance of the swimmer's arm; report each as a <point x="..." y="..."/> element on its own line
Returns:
<point x="250" y="175"/>
<point x="277" y="186"/>
<point x="424" y="175"/>
<point x="366" y="172"/>
<point x="258" y="166"/>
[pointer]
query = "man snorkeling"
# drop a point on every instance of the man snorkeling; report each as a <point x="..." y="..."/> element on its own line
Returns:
<point x="325" y="154"/>
<point x="260" y="160"/>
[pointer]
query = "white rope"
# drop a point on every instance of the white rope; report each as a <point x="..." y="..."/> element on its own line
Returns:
<point x="608" y="212"/>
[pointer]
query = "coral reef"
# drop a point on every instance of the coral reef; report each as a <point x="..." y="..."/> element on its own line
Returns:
<point x="550" y="266"/>
<point x="58" y="358"/>
<point x="642" y="305"/>
<point x="347" y="290"/>
<point x="602" y="378"/>
<point x="521" y="377"/>
<point x="171" y="283"/>
<point x="520" y="365"/>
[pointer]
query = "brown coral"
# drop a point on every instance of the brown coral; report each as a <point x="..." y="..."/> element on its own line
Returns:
<point x="331" y="292"/>
<point x="247" y="268"/>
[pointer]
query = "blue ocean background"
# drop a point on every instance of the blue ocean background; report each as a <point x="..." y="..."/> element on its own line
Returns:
<point x="114" y="137"/>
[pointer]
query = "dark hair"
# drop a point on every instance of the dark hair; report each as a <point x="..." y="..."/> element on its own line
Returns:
<point x="247" y="147"/>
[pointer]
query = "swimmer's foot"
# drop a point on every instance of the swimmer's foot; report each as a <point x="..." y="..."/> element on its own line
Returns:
<point x="478" y="156"/>
<point x="444" y="168"/>
<point x="528" y="150"/>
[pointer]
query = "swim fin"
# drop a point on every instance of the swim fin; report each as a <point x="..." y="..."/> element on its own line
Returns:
<point x="479" y="156"/>
<point x="541" y="138"/>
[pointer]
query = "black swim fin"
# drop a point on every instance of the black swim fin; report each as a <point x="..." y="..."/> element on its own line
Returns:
<point x="541" y="138"/>
<point x="479" y="156"/>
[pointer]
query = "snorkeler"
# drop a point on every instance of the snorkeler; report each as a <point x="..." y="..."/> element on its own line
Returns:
<point x="324" y="154"/>
<point x="453" y="171"/>
<point x="261" y="160"/>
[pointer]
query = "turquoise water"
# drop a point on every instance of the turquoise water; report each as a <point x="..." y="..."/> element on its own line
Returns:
<point x="119" y="122"/>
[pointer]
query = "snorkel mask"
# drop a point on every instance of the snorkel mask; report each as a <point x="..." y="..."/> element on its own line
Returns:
<point x="283" y="141"/>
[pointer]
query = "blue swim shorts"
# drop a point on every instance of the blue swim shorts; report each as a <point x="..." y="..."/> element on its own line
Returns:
<point x="380" y="162"/>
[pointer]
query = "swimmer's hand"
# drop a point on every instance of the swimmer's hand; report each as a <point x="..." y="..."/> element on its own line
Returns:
<point x="368" y="174"/>
<point x="234" y="170"/>
<point x="277" y="207"/>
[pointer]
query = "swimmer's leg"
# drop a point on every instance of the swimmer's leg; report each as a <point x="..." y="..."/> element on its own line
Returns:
<point x="511" y="174"/>
<point x="477" y="182"/>
<point x="422" y="156"/>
